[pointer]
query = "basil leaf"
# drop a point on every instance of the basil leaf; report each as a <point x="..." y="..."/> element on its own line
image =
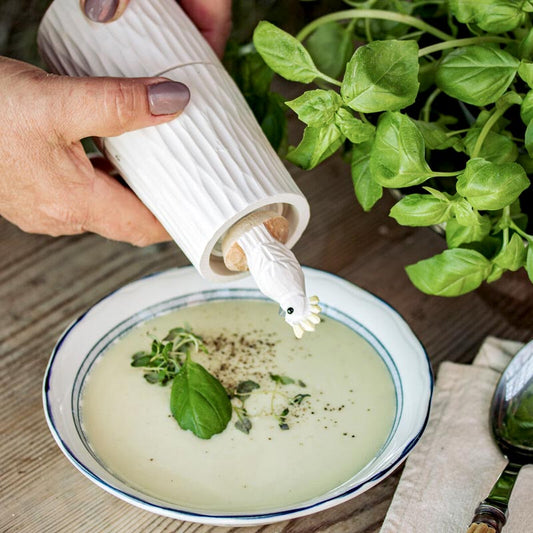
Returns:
<point x="381" y="76"/>
<point x="367" y="190"/>
<point x="284" y="54"/>
<point x="476" y="75"/>
<point x="458" y="234"/>
<point x="420" y="210"/>
<point x="493" y="16"/>
<point x="465" y="213"/>
<point x="528" y="139"/>
<point x="491" y="186"/>
<point x="436" y="136"/>
<point x="496" y="148"/>
<point x="513" y="256"/>
<point x="274" y="122"/>
<point x="526" y="108"/>
<point x="199" y="402"/>
<point x="495" y="274"/>
<point x="397" y="158"/>
<point x="316" y="108"/>
<point x="450" y="273"/>
<point x="317" y="144"/>
<point x="330" y="46"/>
<point x="354" y="129"/>
<point x="529" y="262"/>
<point x="525" y="71"/>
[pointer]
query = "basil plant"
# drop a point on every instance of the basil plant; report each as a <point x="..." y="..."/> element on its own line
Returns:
<point x="434" y="98"/>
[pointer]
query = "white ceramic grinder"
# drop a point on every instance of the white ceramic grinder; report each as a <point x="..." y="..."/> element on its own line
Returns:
<point x="210" y="176"/>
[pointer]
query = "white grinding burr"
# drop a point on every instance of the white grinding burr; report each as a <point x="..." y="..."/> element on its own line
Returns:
<point x="205" y="170"/>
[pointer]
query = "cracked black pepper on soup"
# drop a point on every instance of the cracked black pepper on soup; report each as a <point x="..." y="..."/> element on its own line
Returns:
<point x="309" y="415"/>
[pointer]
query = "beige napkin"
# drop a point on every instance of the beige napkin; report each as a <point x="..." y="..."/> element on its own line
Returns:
<point x="456" y="462"/>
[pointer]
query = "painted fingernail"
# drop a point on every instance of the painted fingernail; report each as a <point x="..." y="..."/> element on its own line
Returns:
<point x="100" y="10"/>
<point x="168" y="97"/>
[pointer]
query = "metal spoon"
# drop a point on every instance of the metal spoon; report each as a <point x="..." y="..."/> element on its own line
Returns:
<point x="512" y="426"/>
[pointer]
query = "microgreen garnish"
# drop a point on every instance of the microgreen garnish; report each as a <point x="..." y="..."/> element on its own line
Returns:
<point x="198" y="401"/>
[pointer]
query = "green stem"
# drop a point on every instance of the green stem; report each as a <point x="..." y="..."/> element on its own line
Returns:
<point x="374" y="14"/>
<point x="447" y="174"/>
<point x="426" y="110"/>
<point x="456" y="132"/>
<point x="325" y="77"/>
<point x="457" y="43"/>
<point x="521" y="232"/>
<point x="487" y="127"/>
<point x="507" y="215"/>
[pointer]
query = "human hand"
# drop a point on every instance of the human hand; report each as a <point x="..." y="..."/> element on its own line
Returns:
<point x="47" y="183"/>
<point x="212" y="17"/>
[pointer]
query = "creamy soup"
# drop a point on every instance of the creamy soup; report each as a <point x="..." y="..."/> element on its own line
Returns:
<point x="326" y="438"/>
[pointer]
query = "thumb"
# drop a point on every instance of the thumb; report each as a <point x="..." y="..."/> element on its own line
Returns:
<point x="105" y="107"/>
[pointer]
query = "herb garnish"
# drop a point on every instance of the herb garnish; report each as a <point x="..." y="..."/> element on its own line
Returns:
<point x="198" y="401"/>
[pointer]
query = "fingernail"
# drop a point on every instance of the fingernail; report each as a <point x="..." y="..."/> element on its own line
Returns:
<point x="100" y="10"/>
<point x="168" y="97"/>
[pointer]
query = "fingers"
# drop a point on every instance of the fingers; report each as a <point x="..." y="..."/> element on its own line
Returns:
<point x="105" y="107"/>
<point x="103" y="10"/>
<point x="213" y="19"/>
<point x="114" y="212"/>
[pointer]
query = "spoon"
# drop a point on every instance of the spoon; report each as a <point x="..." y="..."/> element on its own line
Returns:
<point x="511" y="416"/>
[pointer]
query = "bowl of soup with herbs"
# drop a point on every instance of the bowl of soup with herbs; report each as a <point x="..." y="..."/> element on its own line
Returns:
<point x="195" y="400"/>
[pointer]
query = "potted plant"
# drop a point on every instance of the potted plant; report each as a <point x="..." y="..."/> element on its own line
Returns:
<point x="432" y="98"/>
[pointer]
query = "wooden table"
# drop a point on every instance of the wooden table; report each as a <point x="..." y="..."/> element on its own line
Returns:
<point x="46" y="282"/>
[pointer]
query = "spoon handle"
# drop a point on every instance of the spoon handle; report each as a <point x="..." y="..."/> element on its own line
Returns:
<point x="491" y="513"/>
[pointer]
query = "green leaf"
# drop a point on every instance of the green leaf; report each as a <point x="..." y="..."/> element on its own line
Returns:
<point x="397" y="158"/>
<point x="528" y="139"/>
<point x="465" y="213"/>
<point x="493" y="16"/>
<point x="513" y="256"/>
<point x="495" y="274"/>
<point x="495" y="148"/>
<point x="529" y="262"/>
<point x="245" y="388"/>
<point x="330" y="46"/>
<point x="274" y="122"/>
<point x="450" y="273"/>
<point x="199" y="402"/>
<point x="491" y="186"/>
<point x="367" y="190"/>
<point x="283" y="380"/>
<point x="525" y="71"/>
<point x="436" y="136"/>
<point x="284" y="54"/>
<point x="526" y="108"/>
<point x="380" y="76"/>
<point x="420" y="210"/>
<point x="317" y="144"/>
<point x="316" y="108"/>
<point x="477" y="75"/>
<point x="458" y="234"/>
<point x="355" y="130"/>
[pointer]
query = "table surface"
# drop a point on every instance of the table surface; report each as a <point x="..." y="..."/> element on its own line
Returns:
<point x="45" y="282"/>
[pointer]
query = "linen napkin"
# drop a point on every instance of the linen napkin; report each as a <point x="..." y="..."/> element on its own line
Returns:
<point x="456" y="462"/>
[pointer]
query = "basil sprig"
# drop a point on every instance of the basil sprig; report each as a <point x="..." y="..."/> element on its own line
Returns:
<point x="198" y="401"/>
<point x="439" y="102"/>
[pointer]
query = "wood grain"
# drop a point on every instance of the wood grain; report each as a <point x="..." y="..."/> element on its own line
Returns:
<point x="45" y="283"/>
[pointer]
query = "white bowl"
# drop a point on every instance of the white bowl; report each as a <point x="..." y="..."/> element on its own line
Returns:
<point x="123" y="309"/>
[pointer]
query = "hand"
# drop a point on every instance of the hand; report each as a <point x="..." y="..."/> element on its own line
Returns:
<point x="47" y="183"/>
<point x="212" y="17"/>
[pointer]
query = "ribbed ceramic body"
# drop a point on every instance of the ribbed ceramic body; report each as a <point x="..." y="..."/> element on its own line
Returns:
<point x="201" y="172"/>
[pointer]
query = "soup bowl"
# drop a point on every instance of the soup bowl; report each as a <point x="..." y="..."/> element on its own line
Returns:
<point x="91" y="334"/>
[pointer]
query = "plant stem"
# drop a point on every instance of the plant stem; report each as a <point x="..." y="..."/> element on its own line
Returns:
<point x="487" y="127"/>
<point x="457" y="43"/>
<point x="521" y="232"/>
<point x="426" y="110"/>
<point x="447" y="174"/>
<point x="374" y="14"/>
<point x="330" y="80"/>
